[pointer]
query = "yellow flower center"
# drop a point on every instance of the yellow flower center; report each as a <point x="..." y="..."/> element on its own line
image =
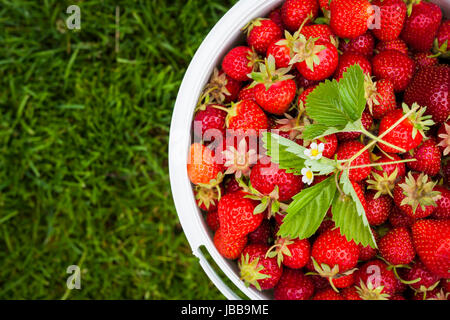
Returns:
<point x="309" y="175"/>
<point x="314" y="152"/>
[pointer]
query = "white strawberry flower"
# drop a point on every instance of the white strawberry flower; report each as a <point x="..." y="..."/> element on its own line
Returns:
<point x="308" y="176"/>
<point x="315" y="151"/>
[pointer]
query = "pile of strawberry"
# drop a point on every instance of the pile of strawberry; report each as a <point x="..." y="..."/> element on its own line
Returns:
<point x="401" y="184"/>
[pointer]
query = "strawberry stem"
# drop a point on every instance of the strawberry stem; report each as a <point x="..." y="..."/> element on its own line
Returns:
<point x="406" y="115"/>
<point x="381" y="163"/>
<point x="378" y="139"/>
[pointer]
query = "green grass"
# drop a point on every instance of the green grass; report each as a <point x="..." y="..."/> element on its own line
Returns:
<point x="83" y="137"/>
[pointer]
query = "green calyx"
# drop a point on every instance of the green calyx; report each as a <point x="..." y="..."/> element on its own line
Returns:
<point x="268" y="202"/>
<point x="280" y="249"/>
<point x="216" y="88"/>
<point x="371" y="94"/>
<point x="443" y="50"/>
<point x="383" y="184"/>
<point x="251" y="271"/>
<point x="208" y="196"/>
<point x="306" y="50"/>
<point x="416" y="116"/>
<point x="419" y="192"/>
<point x="269" y="74"/>
<point x="369" y="292"/>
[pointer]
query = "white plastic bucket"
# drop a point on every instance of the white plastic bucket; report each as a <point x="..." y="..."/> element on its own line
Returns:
<point x="220" y="39"/>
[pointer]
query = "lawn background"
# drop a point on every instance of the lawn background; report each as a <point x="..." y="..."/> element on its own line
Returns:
<point x="83" y="136"/>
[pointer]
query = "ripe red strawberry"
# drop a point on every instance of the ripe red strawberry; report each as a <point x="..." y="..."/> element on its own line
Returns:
<point x="428" y="158"/>
<point x="324" y="5"/>
<point x="392" y="18"/>
<point x="207" y="198"/>
<point x="293" y="285"/>
<point x="385" y="98"/>
<point x="374" y="281"/>
<point x="424" y="59"/>
<point x="350" y="293"/>
<point x="262" y="234"/>
<point x="378" y="209"/>
<point x="394" y="66"/>
<point x="274" y="88"/>
<point x="330" y="143"/>
<point x="222" y="88"/>
<point x="368" y="253"/>
<point x="229" y="246"/>
<point x="246" y="117"/>
<point x="363" y="44"/>
<point x="349" y="59"/>
<point x="294" y="12"/>
<point x="396" y="246"/>
<point x="236" y="214"/>
<point x="304" y="95"/>
<point x="265" y="177"/>
<point x="430" y="87"/>
<point x="367" y="122"/>
<point x="212" y="220"/>
<point x="389" y="168"/>
<point x="261" y="33"/>
<point x="326" y="54"/>
<point x="275" y="16"/>
<point x="421" y="26"/>
<point x="428" y="280"/>
<point x="348" y="149"/>
<point x="327" y="294"/>
<point x="443" y="135"/>
<point x="321" y="31"/>
<point x="247" y="93"/>
<point x="398" y="218"/>
<point x="408" y="134"/>
<point x="432" y="242"/>
<point x="258" y="270"/>
<point x="343" y="281"/>
<point x="396" y="44"/>
<point x="281" y="52"/>
<point x="349" y="18"/>
<point x="202" y="167"/>
<point x="415" y="195"/>
<point x="239" y="62"/>
<point x="209" y="122"/>
<point x="442" y="41"/>
<point x="333" y="254"/>
<point x="442" y="211"/>
<point x="294" y="254"/>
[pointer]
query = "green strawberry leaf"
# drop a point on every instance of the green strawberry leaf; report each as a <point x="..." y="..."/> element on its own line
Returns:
<point x="352" y="92"/>
<point x="288" y="154"/>
<point x="351" y="216"/>
<point x="336" y="104"/>
<point x="316" y="130"/>
<point x="348" y="219"/>
<point x="307" y="210"/>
